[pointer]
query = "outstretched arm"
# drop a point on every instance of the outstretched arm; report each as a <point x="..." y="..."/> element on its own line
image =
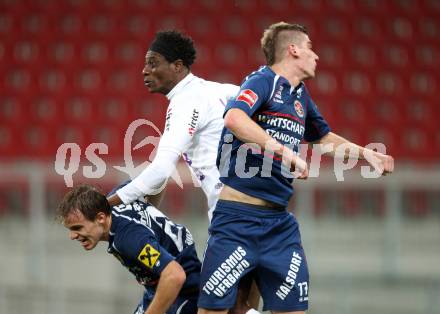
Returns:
<point x="170" y="282"/>
<point x="175" y="140"/>
<point x="381" y="162"/>
<point x="151" y="181"/>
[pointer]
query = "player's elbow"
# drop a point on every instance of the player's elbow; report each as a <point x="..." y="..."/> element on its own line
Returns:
<point x="179" y="277"/>
<point x="175" y="274"/>
<point x="232" y="119"/>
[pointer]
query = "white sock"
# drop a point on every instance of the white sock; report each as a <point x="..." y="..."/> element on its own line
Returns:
<point x="252" y="311"/>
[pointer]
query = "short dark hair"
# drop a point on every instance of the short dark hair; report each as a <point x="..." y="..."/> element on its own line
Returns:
<point x="86" y="199"/>
<point x="270" y="42"/>
<point x="174" y="45"/>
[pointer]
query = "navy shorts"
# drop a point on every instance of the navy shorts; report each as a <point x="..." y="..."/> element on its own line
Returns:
<point x="182" y="305"/>
<point x="245" y="238"/>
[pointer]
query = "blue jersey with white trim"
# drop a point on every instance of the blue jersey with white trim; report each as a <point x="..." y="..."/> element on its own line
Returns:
<point x="144" y="240"/>
<point x="287" y="114"/>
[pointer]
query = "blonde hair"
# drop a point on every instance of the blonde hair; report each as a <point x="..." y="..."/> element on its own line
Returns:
<point x="276" y="37"/>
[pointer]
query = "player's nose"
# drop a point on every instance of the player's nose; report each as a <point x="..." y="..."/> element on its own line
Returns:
<point x="316" y="56"/>
<point x="145" y="70"/>
<point x="73" y="235"/>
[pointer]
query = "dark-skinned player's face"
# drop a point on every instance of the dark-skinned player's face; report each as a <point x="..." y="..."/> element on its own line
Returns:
<point x="160" y="76"/>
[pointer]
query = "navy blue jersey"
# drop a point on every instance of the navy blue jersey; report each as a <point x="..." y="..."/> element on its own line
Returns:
<point x="287" y="114"/>
<point x="144" y="240"/>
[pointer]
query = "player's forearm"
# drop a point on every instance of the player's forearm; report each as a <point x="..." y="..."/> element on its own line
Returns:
<point x="247" y="131"/>
<point x="170" y="283"/>
<point x="152" y="180"/>
<point x="335" y="141"/>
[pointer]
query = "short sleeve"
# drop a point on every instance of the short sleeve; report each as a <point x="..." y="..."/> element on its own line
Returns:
<point x="316" y="126"/>
<point x="253" y="93"/>
<point x="230" y="91"/>
<point x="139" y="243"/>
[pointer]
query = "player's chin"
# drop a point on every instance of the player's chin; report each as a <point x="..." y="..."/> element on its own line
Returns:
<point x="153" y="90"/>
<point x="89" y="246"/>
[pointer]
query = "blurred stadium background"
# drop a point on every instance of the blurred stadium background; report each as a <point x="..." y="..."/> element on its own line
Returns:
<point x="71" y="72"/>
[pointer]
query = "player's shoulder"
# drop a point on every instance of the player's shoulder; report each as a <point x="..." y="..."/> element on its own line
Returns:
<point x="260" y="82"/>
<point x="190" y="95"/>
<point x="264" y="77"/>
<point x="198" y="94"/>
<point x="129" y="221"/>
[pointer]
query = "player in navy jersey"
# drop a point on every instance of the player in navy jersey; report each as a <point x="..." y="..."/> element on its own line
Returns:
<point x="251" y="230"/>
<point x="159" y="253"/>
<point x="194" y="122"/>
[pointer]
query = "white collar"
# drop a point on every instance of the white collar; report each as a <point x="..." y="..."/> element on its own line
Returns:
<point x="179" y="86"/>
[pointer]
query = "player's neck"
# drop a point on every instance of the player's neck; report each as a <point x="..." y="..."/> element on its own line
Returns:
<point x="107" y="226"/>
<point x="178" y="78"/>
<point x="285" y="71"/>
<point x="181" y="76"/>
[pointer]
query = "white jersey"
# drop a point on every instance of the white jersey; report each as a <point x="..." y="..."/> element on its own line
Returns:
<point x="194" y="122"/>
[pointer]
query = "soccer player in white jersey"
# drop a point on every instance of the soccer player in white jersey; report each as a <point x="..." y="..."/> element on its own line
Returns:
<point x="194" y="122"/>
<point x="194" y="119"/>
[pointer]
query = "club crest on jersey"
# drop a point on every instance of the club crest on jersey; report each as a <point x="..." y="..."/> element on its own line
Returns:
<point x="248" y="96"/>
<point x="299" y="108"/>
<point x="148" y="256"/>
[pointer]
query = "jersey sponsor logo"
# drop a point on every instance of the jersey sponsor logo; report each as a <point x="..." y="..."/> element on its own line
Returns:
<point x="291" y="278"/>
<point x="248" y="96"/>
<point x="227" y="274"/>
<point x="299" y="108"/>
<point x="192" y="125"/>
<point x="148" y="256"/>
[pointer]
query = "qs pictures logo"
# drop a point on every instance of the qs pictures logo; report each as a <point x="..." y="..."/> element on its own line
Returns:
<point x="67" y="161"/>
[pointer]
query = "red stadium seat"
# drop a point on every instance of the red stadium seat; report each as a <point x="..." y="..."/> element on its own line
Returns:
<point x="331" y="55"/>
<point x="429" y="28"/>
<point x="362" y="55"/>
<point x="427" y="57"/>
<point x="401" y="29"/>
<point x="396" y="55"/>
<point x="389" y="83"/>
<point x="45" y="110"/>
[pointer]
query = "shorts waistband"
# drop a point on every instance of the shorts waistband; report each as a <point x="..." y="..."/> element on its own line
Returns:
<point x="251" y="209"/>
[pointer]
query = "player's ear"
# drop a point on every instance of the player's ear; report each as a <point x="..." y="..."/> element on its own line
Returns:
<point x="100" y="217"/>
<point x="293" y="50"/>
<point x="178" y="66"/>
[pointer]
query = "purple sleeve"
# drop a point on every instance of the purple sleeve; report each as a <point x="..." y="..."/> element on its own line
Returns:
<point x="316" y="126"/>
